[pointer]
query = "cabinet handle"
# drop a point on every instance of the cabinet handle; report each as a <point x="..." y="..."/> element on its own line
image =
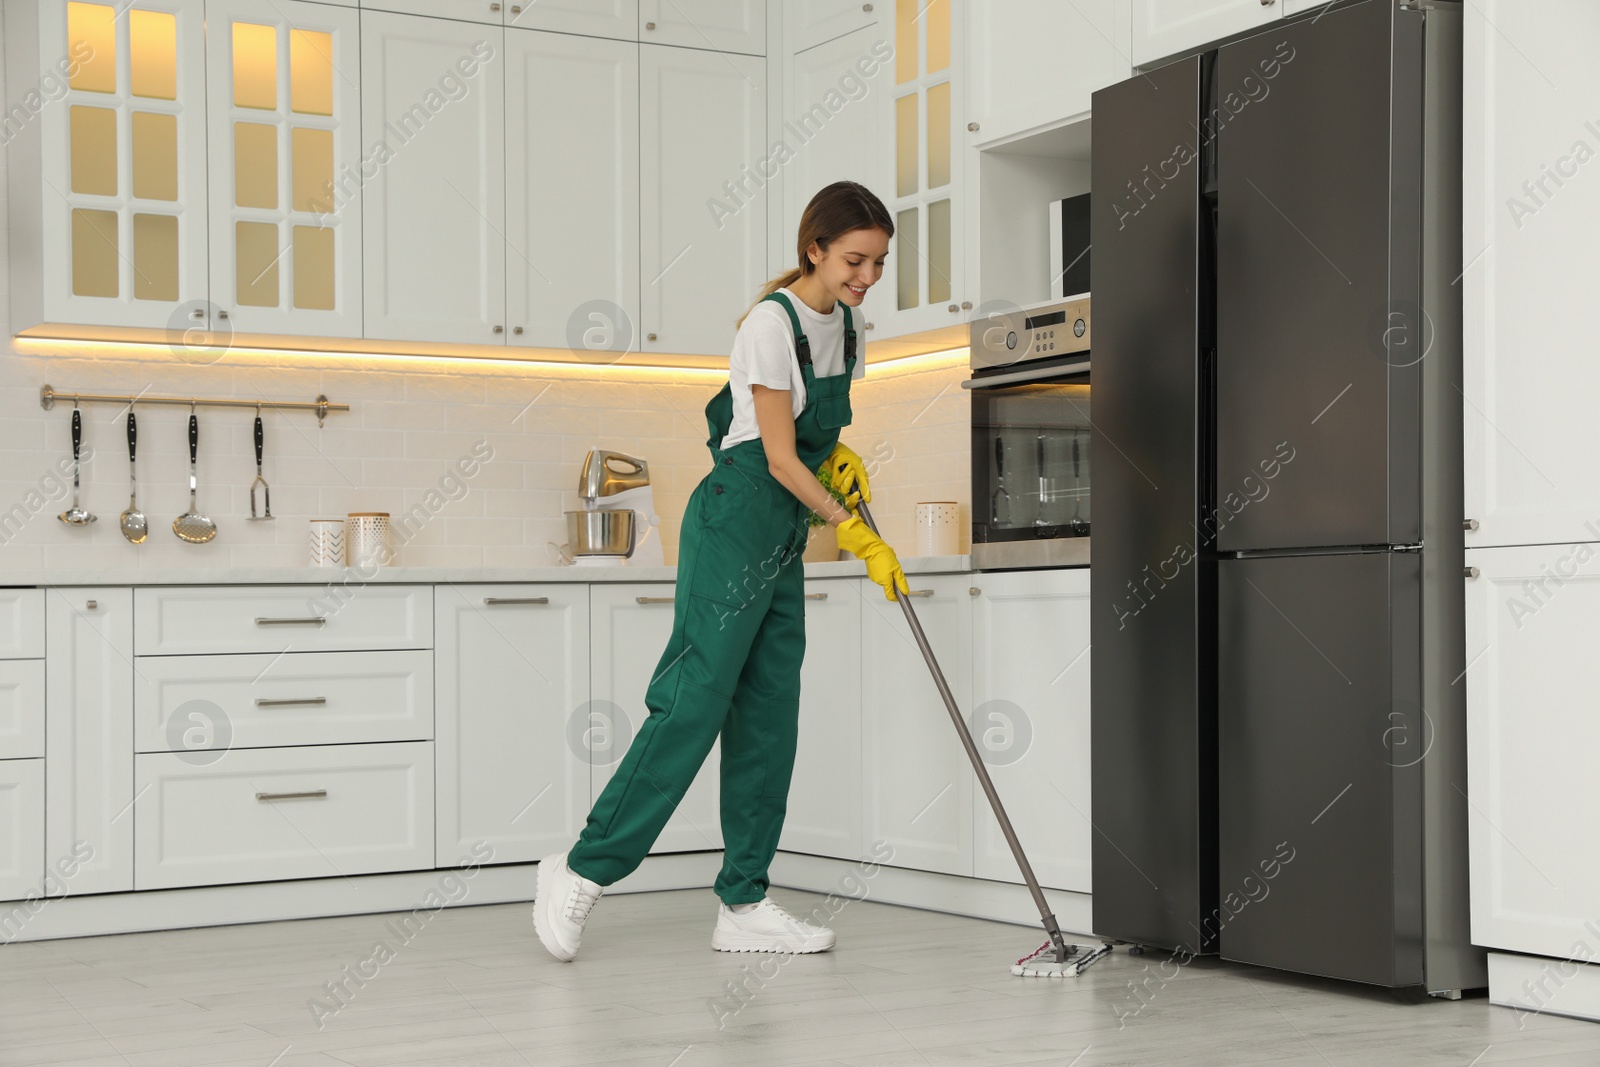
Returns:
<point x="287" y="702"/>
<point x="291" y="796"/>
<point x="649" y="25"/>
<point x="1267" y="3"/>
<point x="973" y="590"/>
<point x="1470" y="572"/>
<point x="654" y="599"/>
<point x="90" y="605"/>
<point x="649" y="337"/>
<point x="866" y="8"/>
<point x="869" y="325"/>
<point x="494" y="7"/>
<point x="517" y="330"/>
<point x="198" y="313"/>
<point x="816" y="596"/>
<point x="493" y="600"/>
<point x="966" y="305"/>
<point x="499" y="329"/>
<point x="516" y="9"/>
<point x="1469" y="524"/>
<point x="954" y="308"/>
<point x="972" y="127"/>
<point x="920" y="592"/>
<point x="309" y="620"/>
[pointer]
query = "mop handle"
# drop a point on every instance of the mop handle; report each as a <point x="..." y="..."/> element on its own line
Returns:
<point x="972" y="753"/>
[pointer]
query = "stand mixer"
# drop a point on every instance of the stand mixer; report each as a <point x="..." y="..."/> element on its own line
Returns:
<point x="612" y="482"/>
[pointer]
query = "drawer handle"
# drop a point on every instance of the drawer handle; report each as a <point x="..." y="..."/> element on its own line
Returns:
<point x="309" y="620"/>
<point x="492" y="600"/>
<point x="654" y="599"/>
<point x="292" y="796"/>
<point x="262" y="702"/>
<point x="816" y="596"/>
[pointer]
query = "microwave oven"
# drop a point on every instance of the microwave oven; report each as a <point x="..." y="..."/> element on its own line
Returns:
<point x="1031" y="432"/>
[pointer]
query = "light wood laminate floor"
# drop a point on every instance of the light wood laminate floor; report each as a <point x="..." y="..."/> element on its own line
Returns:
<point x="472" y="986"/>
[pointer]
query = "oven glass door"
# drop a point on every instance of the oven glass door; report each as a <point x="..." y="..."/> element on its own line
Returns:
<point x="1030" y="459"/>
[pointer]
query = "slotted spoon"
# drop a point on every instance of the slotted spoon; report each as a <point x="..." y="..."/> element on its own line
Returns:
<point x="192" y="526"/>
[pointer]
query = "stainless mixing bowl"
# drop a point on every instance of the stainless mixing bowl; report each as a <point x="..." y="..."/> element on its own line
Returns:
<point x="601" y="533"/>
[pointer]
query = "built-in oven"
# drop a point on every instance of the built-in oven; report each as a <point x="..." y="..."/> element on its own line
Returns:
<point x="1030" y="437"/>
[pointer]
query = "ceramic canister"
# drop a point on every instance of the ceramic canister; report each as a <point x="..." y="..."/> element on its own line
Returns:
<point x="369" y="539"/>
<point x="938" y="528"/>
<point x="327" y="542"/>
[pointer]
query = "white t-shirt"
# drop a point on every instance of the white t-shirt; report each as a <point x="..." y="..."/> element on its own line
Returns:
<point x="763" y="354"/>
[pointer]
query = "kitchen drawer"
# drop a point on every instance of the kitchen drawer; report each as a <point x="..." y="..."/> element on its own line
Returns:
<point x="21" y="709"/>
<point x="21" y="833"/>
<point x="21" y="623"/>
<point x="361" y="809"/>
<point x="185" y="620"/>
<point x="205" y="705"/>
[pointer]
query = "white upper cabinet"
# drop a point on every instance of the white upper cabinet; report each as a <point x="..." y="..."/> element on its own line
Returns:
<point x="433" y="210"/>
<point x="718" y="25"/>
<point x="924" y="281"/>
<point x="806" y="25"/>
<point x="704" y="169"/>
<point x="1531" y="124"/>
<point x="106" y="137"/>
<point x="1033" y="63"/>
<point x="286" y="168"/>
<point x="836" y="128"/>
<point x="595" y="18"/>
<point x="1167" y="27"/>
<point x="572" y="192"/>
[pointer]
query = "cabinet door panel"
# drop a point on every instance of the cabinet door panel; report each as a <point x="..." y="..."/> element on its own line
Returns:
<point x="22" y="832"/>
<point x="1167" y="27"/>
<point x="810" y="24"/>
<point x="481" y="11"/>
<point x="1035" y="62"/>
<point x="1030" y="713"/>
<point x="286" y="168"/>
<point x="917" y="782"/>
<point x="89" y="735"/>
<point x="1533" y="615"/>
<point x="703" y="242"/>
<point x="627" y="638"/>
<point x="433" y="215"/>
<point x="572" y="256"/>
<point x="512" y="675"/>
<point x="1528" y="252"/>
<point x="718" y="25"/>
<point x="824" y="812"/>
<point x="617" y="19"/>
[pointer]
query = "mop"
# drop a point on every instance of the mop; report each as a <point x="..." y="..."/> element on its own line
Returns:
<point x="1055" y="958"/>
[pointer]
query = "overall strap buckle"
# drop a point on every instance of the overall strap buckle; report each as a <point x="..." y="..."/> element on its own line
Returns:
<point x="849" y="338"/>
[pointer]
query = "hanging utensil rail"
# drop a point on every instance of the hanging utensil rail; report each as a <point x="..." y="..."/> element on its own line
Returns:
<point x="48" y="397"/>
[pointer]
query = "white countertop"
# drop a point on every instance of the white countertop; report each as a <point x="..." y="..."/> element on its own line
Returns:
<point x="421" y="575"/>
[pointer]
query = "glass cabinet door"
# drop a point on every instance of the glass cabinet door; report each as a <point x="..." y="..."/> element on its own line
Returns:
<point x="122" y="162"/>
<point x="924" y="269"/>
<point x="286" y="173"/>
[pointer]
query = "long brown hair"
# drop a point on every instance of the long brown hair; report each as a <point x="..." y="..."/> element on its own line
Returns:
<point x="835" y="210"/>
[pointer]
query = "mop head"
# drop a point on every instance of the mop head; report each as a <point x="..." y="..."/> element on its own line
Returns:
<point x="1042" y="962"/>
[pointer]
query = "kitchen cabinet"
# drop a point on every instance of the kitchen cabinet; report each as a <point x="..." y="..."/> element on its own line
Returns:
<point x="1034" y="63"/>
<point x="513" y="670"/>
<point x="89" y="792"/>
<point x="703" y="199"/>
<point x="433" y="253"/>
<point x="924" y="282"/>
<point x="718" y="25"/>
<point x="1533" y="618"/>
<point x="21" y="831"/>
<point x="1030" y="719"/>
<point x="202" y="620"/>
<point x="21" y="709"/>
<point x="824" y="810"/>
<point x="916" y="780"/>
<point x="630" y="624"/>
<point x="269" y="814"/>
<point x="572" y="230"/>
<point x="1526" y="252"/>
<point x="835" y="97"/>
<point x="286" y="167"/>
<point x="617" y="19"/>
<point x="21" y="624"/>
<point x="106" y="162"/>
<point x="807" y="25"/>
<point x="1164" y="28"/>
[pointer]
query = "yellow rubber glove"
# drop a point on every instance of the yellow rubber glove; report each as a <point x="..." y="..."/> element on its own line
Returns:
<point x="849" y="475"/>
<point x="883" y="566"/>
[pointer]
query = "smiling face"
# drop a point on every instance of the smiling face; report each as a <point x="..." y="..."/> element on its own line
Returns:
<point x="852" y="264"/>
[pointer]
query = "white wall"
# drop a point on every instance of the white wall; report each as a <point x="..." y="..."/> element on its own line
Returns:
<point x="411" y="421"/>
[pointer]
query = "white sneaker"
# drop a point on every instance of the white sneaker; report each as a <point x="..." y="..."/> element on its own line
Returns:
<point x="561" y="904"/>
<point x="767" y="928"/>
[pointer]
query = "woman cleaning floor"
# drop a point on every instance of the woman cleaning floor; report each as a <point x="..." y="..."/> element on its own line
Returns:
<point x="732" y="665"/>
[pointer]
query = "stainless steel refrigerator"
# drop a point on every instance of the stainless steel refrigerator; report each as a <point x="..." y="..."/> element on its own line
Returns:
<point x="1277" y="709"/>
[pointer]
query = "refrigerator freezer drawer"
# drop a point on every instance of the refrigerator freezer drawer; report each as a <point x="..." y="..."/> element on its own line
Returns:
<point x="1321" y="737"/>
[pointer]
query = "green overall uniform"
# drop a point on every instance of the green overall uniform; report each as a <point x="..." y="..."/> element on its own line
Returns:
<point x="732" y="664"/>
